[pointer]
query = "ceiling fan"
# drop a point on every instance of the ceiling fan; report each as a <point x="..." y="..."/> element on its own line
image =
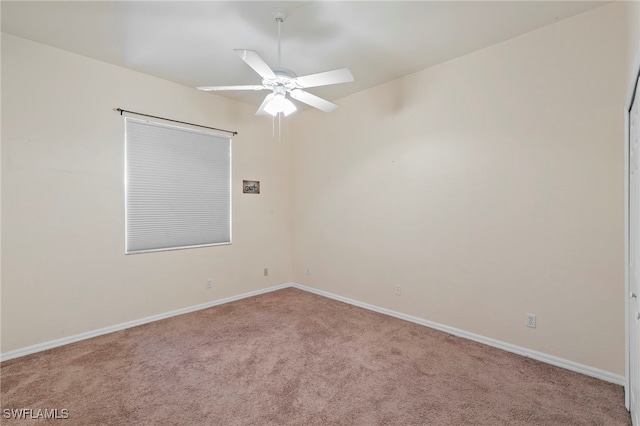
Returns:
<point x="282" y="81"/>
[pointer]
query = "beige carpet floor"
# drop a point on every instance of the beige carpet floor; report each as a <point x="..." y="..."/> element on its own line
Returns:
<point x="294" y="358"/>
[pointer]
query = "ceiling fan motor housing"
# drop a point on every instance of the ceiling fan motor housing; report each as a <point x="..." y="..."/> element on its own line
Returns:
<point x="284" y="78"/>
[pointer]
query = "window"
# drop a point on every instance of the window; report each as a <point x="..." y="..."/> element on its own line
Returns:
<point x="177" y="187"/>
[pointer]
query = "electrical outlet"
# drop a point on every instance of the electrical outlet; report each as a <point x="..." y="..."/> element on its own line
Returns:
<point x="308" y="271"/>
<point x="530" y="320"/>
<point x="266" y="272"/>
<point x="397" y="290"/>
<point x="209" y="284"/>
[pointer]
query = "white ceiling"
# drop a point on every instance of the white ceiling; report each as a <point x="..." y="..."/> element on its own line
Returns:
<point x="192" y="42"/>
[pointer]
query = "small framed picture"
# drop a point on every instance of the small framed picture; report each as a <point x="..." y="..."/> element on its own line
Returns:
<point x="251" y="186"/>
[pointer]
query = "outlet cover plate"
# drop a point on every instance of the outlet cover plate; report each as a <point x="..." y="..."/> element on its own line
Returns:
<point x="530" y="320"/>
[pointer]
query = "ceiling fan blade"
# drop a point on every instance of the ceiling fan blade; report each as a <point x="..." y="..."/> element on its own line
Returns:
<point x="342" y="75"/>
<point x="313" y="100"/>
<point x="216" y="88"/>
<point x="264" y="103"/>
<point x="256" y="62"/>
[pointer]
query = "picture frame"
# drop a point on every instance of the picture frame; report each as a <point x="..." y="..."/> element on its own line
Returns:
<point x="250" y="186"/>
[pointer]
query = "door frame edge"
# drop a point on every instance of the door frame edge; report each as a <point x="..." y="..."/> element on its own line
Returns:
<point x="631" y="94"/>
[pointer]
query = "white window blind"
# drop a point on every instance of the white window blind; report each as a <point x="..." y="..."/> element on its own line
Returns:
<point x="177" y="187"/>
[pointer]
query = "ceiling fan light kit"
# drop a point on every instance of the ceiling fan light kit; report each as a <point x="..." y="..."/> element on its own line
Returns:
<point x="277" y="102"/>
<point x="282" y="81"/>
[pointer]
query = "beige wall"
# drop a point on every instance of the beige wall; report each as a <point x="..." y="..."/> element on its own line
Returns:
<point x="486" y="187"/>
<point x="63" y="265"/>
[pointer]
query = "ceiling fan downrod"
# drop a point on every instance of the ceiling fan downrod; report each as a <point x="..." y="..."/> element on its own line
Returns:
<point x="279" y="15"/>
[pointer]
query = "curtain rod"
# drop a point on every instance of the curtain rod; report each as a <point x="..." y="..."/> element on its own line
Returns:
<point x="120" y="110"/>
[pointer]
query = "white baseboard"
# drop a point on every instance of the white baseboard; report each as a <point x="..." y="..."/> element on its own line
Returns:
<point x="549" y="359"/>
<point x="89" y="334"/>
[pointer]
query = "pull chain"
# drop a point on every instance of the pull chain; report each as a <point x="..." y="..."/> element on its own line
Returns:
<point x="273" y="126"/>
